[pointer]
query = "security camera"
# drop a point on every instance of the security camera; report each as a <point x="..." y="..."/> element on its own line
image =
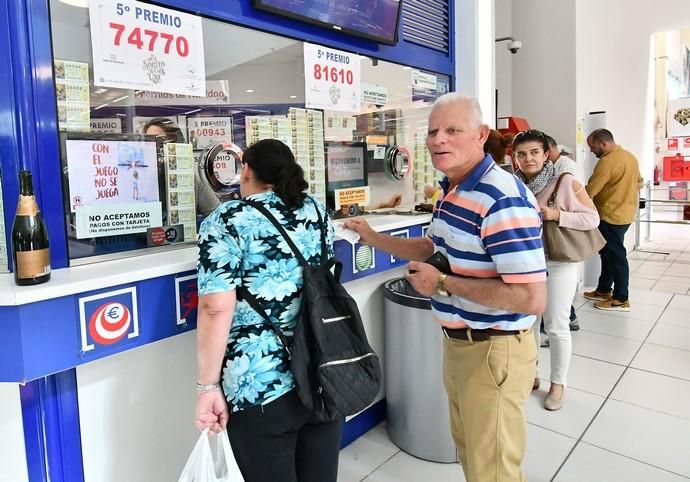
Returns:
<point x="514" y="46"/>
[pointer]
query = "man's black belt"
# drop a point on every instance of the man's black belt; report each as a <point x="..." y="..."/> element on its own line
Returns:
<point x="477" y="335"/>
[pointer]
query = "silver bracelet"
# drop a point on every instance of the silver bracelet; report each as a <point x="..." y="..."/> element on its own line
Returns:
<point x="207" y="387"/>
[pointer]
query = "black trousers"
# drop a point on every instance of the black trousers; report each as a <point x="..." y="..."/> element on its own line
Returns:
<point x="280" y="442"/>
<point x="614" y="263"/>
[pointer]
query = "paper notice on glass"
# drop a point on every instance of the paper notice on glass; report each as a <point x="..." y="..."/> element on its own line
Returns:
<point x="114" y="219"/>
<point x="179" y="162"/>
<point x="136" y="45"/>
<point x="72" y="92"/>
<point x="332" y="79"/>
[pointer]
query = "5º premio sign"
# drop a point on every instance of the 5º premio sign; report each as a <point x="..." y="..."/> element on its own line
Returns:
<point x="145" y="47"/>
<point x="332" y="79"/>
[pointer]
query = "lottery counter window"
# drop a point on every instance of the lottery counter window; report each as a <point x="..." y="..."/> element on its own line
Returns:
<point x="120" y="175"/>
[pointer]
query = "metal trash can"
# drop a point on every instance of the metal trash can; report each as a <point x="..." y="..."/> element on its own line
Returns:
<point x="416" y="400"/>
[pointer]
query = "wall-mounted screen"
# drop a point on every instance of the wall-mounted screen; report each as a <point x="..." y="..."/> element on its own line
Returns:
<point x="372" y="19"/>
<point x="345" y="165"/>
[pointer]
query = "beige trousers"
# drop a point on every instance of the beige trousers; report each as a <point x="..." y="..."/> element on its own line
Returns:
<point x="487" y="384"/>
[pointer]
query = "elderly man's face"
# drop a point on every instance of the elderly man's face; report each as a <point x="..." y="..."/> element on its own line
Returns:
<point x="454" y="141"/>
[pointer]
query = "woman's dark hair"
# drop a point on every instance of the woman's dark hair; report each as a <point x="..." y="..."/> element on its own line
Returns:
<point x="531" y="135"/>
<point x="273" y="163"/>
<point x="496" y="146"/>
<point x="172" y="132"/>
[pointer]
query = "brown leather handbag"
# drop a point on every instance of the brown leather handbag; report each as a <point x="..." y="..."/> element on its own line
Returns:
<point x="566" y="244"/>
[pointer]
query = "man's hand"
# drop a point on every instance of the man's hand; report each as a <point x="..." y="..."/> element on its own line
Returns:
<point x="430" y="190"/>
<point x="391" y="202"/>
<point x="423" y="277"/>
<point x="359" y="225"/>
<point x="211" y="411"/>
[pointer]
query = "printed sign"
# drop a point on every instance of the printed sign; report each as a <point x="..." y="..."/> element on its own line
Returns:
<point x="179" y="179"/>
<point x="187" y="299"/>
<point x="332" y="79"/>
<point x="678" y="117"/>
<point x="424" y="86"/>
<point x="217" y="93"/>
<point x="109" y="220"/>
<point x="350" y="196"/>
<point x="142" y="46"/>
<point x="374" y="94"/>
<point x="204" y="131"/>
<point x="108" y="318"/>
<point x="111" y="125"/>
<point x="72" y="93"/>
<point x="672" y="144"/>
<point x="111" y="172"/>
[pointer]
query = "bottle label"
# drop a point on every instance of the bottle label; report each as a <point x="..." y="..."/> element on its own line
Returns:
<point x="31" y="264"/>
<point x="27" y="206"/>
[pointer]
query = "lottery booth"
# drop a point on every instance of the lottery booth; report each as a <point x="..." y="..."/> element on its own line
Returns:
<point x="97" y="366"/>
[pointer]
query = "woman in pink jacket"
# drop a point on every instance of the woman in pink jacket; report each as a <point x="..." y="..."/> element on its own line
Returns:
<point x="573" y="209"/>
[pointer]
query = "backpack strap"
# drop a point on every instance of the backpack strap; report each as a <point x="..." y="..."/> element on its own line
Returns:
<point x="295" y="250"/>
<point x="254" y="303"/>
<point x="250" y="298"/>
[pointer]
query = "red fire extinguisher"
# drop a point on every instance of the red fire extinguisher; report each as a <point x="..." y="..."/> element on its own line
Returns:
<point x="657" y="175"/>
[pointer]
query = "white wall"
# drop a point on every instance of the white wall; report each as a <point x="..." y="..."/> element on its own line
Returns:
<point x="613" y="63"/>
<point x="504" y="59"/>
<point x="543" y="70"/>
<point x="12" y="455"/>
<point x="474" y="53"/>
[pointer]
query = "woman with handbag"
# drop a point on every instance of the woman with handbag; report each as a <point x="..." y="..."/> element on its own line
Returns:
<point x="564" y="204"/>
<point x="244" y="263"/>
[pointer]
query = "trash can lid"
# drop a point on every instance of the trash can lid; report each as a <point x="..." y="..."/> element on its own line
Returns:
<point x="400" y="291"/>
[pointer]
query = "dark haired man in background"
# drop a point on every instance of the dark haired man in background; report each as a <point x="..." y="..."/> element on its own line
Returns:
<point x="613" y="186"/>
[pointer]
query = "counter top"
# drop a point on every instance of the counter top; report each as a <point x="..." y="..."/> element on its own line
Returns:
<point x="79" y="279"/>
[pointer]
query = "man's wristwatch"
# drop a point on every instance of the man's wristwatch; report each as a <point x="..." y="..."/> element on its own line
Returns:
<point x="441" y="286"/>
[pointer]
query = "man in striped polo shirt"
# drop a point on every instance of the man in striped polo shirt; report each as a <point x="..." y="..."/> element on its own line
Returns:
<point x="486" y="223"/>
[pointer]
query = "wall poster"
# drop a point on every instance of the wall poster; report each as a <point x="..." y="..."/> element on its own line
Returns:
<point x="113" y="186"/>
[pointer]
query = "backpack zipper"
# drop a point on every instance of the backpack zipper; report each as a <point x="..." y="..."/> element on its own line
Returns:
<point x="348" y="360"/>
<point x="337" y="318"/>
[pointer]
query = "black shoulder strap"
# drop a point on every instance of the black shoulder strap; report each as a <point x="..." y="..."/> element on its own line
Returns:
<point x="254" y="303"/>
<point x="250" y="298"/>
<point x="322" y="227"/>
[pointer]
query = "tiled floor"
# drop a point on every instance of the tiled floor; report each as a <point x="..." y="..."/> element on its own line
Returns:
<point x="627" y="411"/>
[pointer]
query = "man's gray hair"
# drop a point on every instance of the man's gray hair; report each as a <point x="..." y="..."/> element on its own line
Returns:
<point x="471" y="102"/>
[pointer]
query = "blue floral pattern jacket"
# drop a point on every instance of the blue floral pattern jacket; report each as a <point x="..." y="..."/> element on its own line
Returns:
<point x="239" y="247"/>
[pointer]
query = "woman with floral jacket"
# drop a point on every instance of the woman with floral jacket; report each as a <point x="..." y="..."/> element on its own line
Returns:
<point x="244" y="380"/>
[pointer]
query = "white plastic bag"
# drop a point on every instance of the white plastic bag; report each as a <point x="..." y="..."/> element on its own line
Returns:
<point x="200" y="466"/>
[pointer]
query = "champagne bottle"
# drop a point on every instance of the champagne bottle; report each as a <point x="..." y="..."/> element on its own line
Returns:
<point x="29" y="237"/>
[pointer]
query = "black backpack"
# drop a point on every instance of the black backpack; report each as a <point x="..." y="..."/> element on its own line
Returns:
<point x="336" y="371"/>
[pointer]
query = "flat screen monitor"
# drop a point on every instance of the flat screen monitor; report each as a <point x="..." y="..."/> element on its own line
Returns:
<point x="345" y="165"/>
<point x="371" y="19"/>
<point x="113" y="191"/>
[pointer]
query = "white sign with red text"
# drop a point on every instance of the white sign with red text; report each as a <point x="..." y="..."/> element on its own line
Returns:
<point x="146" y="47"/>
<point x="332" y="79"/>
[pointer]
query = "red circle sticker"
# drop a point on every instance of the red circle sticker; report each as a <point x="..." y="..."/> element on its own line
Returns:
<point x="158" y="236"/>
<point x="109" y="323"/>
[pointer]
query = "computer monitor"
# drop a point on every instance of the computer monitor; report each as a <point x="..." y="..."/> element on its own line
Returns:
<point x="346" y="167"/>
